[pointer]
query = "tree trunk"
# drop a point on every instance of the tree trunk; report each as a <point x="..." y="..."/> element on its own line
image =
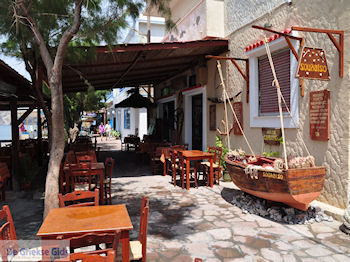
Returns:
<point x="57" y="146"/>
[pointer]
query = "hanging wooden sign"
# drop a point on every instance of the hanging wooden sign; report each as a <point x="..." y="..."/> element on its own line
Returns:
<point x="238" y="107"/>
<point x="319" y="115"/>
<point x="272" y="136"/>
<point x="312" y="64"/>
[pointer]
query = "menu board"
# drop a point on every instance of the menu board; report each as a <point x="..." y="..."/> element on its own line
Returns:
<point x="239" y="112"/>
<point x="319" y="114"/>
<point x="272" y="136"/>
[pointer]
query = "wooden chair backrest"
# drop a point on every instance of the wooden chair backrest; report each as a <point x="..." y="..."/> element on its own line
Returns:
<point x="7" y="232"/>
<point x="4" y="172"/>
<point x="83" y="257"/>
<point x="84" y="159"/>
<point x="143" y="225"/>
<point x="173" y="157"/>
<point x="217" y="151"/>
<point x="77" y="196"/>
<point x="181" y="163"/>
<point x="109" y="166"/>
<point x="79" y="174"/>
<point x="94" y="239"/>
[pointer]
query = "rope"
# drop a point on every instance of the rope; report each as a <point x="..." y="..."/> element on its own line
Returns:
<point x="296" y="126"/>
<point x="224" y="96"/>
<point x="279" y="99"/>
<point x="233" y="111"/>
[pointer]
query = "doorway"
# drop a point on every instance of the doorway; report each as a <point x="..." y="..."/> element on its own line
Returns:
<point x="197" y="122"/>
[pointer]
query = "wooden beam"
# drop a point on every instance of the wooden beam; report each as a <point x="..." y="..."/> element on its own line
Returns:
<point x="292" y="48"/>
<point x="25" y="115"/>
<point x="225" y="58"/>
<point x="316" y="30"/>
<point x="234" y="62"/>
<point x="14" y="145"/>
<point x="339" y="45"/>
<point x="276" y="32"/>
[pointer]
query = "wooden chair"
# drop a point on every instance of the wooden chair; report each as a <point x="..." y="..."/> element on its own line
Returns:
<point x="183" y="169"/>
<point x="217" y="151"/>
<point x="7" y="232"/>
<point x="84" y="159"/>
<point x="79" y="178"/>
<point x="138" y="247"/>
<point x="4" y="176"/>
<point x="174" y="168"/>
<point x="93" y="239"/>
<point x="168" y="159"/>
<point x="75" y="197"/>
<point x="107" y="182"/>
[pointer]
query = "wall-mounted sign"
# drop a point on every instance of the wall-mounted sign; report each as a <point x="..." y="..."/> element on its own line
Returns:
<point x="319" y="115"/>
<point x="272" y="136"/>
<point x="312" y="64"/>
<point x="239" y="112"/>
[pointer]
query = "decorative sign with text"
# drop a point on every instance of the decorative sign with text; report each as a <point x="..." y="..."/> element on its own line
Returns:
<point x="239" y="112"/>
<point x="272" y="136"/>
<point x="319" y="115"/>
<point x="312" y="64"/>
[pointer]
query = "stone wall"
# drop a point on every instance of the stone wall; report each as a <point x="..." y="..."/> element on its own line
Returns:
<point x="334" y="154"/>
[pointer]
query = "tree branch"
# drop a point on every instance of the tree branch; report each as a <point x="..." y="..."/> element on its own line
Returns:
<point x="37" y="35"/>
<point x="68" y="35"/>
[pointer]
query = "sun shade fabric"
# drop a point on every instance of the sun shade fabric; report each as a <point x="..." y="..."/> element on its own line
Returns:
<point x="268" y="101"/>
<point x="136" y="101"/>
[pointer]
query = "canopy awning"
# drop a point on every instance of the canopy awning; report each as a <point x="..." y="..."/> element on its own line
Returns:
<point x="132" y="65"/>
<point x="136" y="101"/>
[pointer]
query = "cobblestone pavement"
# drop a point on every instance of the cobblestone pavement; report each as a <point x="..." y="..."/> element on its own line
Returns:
<point x="200" y="222"/>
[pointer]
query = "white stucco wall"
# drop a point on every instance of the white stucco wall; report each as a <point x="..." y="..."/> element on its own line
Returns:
<point x="215" y="18"/>
<point x="334" y="154"/>
<point x="240" y="13"/>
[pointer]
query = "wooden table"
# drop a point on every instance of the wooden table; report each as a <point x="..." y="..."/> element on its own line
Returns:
<point x="96" y="169"/>
<point x="197" y="155"/>
<point x="76" y="221"/>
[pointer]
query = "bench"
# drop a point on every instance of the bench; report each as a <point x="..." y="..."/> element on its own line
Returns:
<point x="4" y="175"/>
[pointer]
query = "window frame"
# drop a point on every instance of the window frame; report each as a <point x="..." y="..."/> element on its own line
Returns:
<point x="273" y="121"/>
<point x="126" y="111"/>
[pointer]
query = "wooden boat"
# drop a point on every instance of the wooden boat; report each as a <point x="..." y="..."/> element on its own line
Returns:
<point x="294" y="187"/>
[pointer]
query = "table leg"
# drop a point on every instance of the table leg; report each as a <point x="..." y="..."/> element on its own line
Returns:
<point x="124" y="238"/>
<point x="164" y="168"/>
<point x="101" y="188"/>
<point x="195" y="172"/>
<point x="187" y="174"/>
<point x="211" y="172"/>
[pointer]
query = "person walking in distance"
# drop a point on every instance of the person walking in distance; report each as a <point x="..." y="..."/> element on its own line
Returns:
<point x="101" y="130"/>
<point x="108" y="130"/>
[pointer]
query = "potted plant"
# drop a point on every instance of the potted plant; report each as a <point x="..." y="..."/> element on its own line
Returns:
<point x="116" y="134"/>
<point x="225" y="150"/>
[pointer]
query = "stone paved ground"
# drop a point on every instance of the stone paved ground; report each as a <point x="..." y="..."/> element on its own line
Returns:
<point x="200" y="222"/>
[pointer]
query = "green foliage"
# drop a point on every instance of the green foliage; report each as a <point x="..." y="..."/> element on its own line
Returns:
<point x="219" y="143"/>
<point x="76" y="103"/>
<point x="271" y="154"/>
<point x="115" y="133"/>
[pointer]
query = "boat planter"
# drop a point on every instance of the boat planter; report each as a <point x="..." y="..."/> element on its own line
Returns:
<point x="294" y="187"/>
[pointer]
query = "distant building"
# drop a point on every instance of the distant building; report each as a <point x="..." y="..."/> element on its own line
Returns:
<point x="133" y="121"/>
